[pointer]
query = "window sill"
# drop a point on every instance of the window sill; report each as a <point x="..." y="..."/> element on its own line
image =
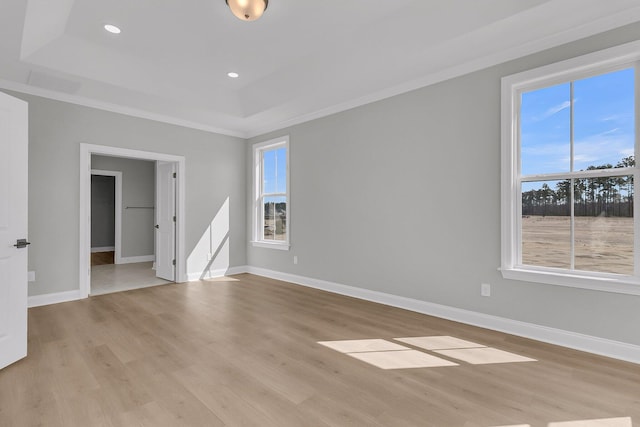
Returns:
<point x="606" y="283"/>
<point x="279" y="246"/>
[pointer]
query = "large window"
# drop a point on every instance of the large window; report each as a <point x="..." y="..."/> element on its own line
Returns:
<point x="568" y="199"/>
<point x="271" y="190"/>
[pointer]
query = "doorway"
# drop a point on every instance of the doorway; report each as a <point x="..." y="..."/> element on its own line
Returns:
<point x="136" y="251"/>
<point x="132" y="265"/>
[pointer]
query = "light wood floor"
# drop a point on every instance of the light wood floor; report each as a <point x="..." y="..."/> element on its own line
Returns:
<point x="244" y="352"/>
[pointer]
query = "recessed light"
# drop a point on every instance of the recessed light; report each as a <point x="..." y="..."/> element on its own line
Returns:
<point x="233" y="75"/>
<point x="112" y="29"/>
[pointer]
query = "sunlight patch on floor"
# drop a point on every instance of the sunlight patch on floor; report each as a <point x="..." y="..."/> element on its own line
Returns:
<point x="221" y="279"/>
<point x="466" y="351"/>
<point x="484" y="356"/>
<point x="388" y="355"/>
<point x="360" y="346"/>
<point x="601" y="422"/>
<point x="438" y="342"/>
<point x="403" y="359"/>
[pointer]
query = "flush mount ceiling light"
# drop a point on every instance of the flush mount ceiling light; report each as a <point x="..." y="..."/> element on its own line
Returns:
<point x="247" y="10"/>
<point x="112" y="29"/>
<point x="233" y="75"/>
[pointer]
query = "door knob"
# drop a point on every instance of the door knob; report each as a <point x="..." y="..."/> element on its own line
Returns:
<point x="22" y="243"/>
<point x="157" y="226"/>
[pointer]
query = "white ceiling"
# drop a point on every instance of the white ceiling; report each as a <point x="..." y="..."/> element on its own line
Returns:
<point x="303" y="59"/>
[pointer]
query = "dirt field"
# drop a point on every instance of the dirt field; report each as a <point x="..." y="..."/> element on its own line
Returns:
<point x="275" y="224"/>
<point x="602" y="244"/>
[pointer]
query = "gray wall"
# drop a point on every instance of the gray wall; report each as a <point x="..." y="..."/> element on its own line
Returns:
<point x="103" y="205"/>
<point x="138" y="189"/>
<point x="215" y="172"/>
<point x="381" y="198"/>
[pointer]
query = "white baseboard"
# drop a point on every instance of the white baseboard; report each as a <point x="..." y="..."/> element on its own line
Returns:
<point x="103" y="249"/>
<point x="213" y="274"/>
<point x="588" y="343"/>
<point x="55" y="298"/>
<point x="134" y="259"/>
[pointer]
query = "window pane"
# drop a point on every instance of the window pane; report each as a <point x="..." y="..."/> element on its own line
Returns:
<point x="604" y="224"/>
<point x="281" y="170"/>
<point x="274" y="167"/>
<point x="275" y="218"/>
<point x="603" y="119"/>
<point x="545" y="123"/>
<point x="546" y="224"/>
<point x="269" y="173"/>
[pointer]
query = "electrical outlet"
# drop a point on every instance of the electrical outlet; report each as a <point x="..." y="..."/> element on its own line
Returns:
<point x="209" y="256"/>
<point x="295" y="259"/>
<point x="485" y="289"/>
<point x="31" y="276"/>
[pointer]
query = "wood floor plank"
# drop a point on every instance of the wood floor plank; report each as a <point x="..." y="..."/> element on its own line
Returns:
<point x="243" y="351"/>
<point x="230" y="407"/>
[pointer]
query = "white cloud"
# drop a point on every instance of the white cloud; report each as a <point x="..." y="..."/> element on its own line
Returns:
<point x="606" y="147"/>
<point x="556" y="109"/>
<point x="584" y="158"/>
<point x="618" y="118"/>
<point x="609" y="132"/>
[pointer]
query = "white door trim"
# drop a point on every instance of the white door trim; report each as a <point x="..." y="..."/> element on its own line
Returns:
<point x="86" y="150"/>
<point x="117" y="259"/>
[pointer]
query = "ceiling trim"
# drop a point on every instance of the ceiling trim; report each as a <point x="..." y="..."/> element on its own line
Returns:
<point x="115" y="108"/>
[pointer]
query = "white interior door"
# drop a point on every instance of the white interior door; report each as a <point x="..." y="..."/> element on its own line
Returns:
<point x="165" y="220"/>
<point x="13" y="226"/>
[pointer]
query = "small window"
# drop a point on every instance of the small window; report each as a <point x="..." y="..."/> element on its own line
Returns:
<point x="271" y="189"/>
<point x="568" y="199"/>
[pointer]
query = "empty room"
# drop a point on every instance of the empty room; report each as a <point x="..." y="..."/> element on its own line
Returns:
<point x="319" y="213"/>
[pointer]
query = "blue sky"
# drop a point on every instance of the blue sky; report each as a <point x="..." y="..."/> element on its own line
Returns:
<point x="275" y="173"/>
<point x="603" y="124"/>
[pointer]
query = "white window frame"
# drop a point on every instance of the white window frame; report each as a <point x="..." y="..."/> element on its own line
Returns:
<point x="258" y="214"/>
<point x="608" y="60"/>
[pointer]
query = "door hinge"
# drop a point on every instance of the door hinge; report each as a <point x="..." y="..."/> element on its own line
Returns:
<point x="22" y="243"/>
<point x="174" y="262"/>
<point x="174" y="175"/>
<point x="174" y="218"/>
